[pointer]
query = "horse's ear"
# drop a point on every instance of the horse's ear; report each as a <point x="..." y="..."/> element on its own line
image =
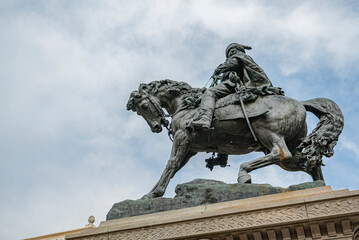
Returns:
<point x="143" y="87"/>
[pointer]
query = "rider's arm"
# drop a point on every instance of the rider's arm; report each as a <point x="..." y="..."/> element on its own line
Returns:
<point x="229" y="65"/>
<point x="217" y="70"/>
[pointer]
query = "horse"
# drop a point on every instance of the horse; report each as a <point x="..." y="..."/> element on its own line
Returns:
<point x="281" y="131"/>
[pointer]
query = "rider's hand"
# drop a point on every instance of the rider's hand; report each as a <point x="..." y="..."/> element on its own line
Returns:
<point x="242" y="88"/>
<point x="233" y="77"/>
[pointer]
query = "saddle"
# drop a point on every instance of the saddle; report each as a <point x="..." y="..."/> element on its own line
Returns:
<point x="229" y="107"/>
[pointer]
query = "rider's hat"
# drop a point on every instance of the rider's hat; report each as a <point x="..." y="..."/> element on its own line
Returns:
<point x="240" y="47"/>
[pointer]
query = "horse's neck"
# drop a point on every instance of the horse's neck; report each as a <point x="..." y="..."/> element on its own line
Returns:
<point x="171" y="104"/>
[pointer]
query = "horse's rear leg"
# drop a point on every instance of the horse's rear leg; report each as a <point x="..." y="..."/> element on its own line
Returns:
<point x="278" y="152"/>
<point x="179" y="157"/>
<point x="317" y="173"/>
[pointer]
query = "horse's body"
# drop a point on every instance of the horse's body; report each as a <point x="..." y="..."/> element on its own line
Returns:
<point x="233" y="137"/>
<point x="280" y="131"/>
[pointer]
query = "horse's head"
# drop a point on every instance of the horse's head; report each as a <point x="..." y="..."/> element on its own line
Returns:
<point x="149" y="108"/>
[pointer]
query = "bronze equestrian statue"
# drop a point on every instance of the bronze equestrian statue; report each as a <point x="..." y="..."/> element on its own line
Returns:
<point x="242" y="114"/>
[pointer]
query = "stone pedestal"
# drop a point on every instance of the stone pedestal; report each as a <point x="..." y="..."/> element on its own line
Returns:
<point x="200" y="192"/>
<point x="317" y="213"/>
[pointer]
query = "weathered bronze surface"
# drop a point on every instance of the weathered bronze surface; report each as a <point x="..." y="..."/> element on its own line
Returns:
<point x="256" y="117"/>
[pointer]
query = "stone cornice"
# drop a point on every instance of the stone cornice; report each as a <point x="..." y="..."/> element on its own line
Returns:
<point x="278" y="210"/>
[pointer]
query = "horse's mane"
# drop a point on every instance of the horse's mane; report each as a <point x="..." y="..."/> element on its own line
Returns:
<point x="168" y="85"/>
<point x="190" y="96"/>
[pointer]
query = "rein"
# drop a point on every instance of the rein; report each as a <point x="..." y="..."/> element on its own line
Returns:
<point x="164" y="121"/>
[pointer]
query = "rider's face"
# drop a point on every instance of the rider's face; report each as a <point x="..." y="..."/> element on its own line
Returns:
<point x="232" y="52"/>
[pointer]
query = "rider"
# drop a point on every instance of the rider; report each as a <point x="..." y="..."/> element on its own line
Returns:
<point x="237" y="67"/>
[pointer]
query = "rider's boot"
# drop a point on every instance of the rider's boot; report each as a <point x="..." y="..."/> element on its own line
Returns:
<point x="206" y="112"/>
<point x="204" y="121"/>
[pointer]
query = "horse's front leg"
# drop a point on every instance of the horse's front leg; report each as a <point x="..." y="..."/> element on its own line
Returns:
<point x="179" y="157"/>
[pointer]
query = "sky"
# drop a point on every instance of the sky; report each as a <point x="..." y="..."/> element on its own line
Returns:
<point x="70" y="149"/>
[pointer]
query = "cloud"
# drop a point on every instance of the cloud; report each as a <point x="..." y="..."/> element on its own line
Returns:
<point x="299" y="34"/>
<point x="349" y="145"/>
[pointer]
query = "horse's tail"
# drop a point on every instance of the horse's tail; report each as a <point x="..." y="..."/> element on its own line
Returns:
<point x="325" y="135"/>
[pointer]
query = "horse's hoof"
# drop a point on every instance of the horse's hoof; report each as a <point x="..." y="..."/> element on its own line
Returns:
<point x="154" y="194"/>
<point x="245" y="178"/>
<point x="147" y="196"/>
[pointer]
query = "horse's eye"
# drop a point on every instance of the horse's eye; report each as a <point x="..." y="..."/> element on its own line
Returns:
<point x="144" y="106"/>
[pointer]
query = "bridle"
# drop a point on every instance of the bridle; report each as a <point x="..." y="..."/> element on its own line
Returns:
<point x="164" y="122"/>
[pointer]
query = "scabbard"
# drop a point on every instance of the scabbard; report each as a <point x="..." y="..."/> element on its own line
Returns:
<point x="246" y="116"/>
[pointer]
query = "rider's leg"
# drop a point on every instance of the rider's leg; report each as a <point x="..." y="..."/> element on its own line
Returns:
<point x="208" y="103"/>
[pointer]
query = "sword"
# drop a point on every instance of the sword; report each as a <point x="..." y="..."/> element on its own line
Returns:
<point x="243" y="108"/>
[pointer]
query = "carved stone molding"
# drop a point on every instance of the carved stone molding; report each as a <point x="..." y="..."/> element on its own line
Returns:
<point x="214" y="225"/>
<point x="328" y="214"/>
<point x="356" y="232"/>
<point x="333" y="207"/>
